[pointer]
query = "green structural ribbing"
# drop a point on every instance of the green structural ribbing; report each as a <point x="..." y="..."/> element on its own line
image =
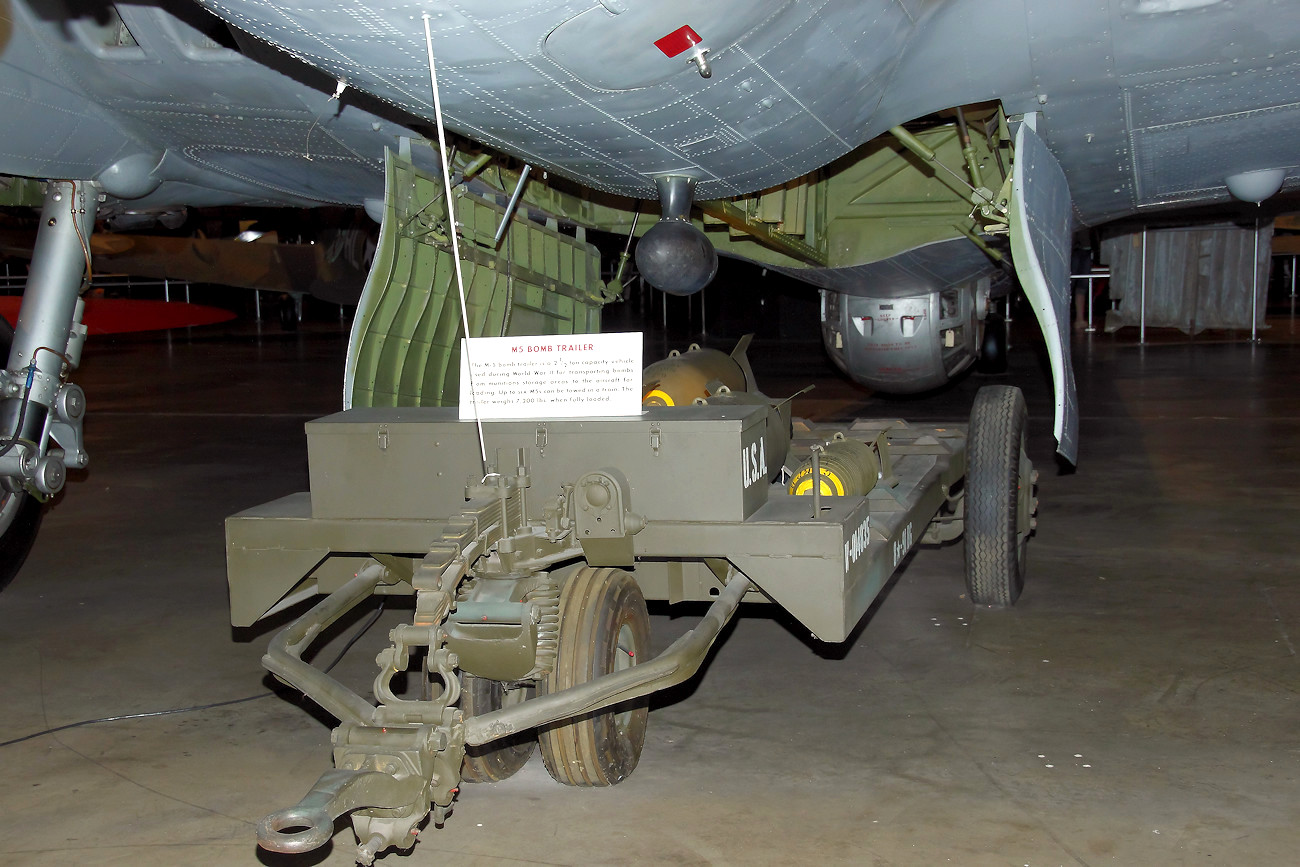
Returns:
<point x="405" y="343"/>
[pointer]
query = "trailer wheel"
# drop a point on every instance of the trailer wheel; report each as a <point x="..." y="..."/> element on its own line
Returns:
<point x="999" y="497"/>
<point x="604" y="627"/>
<point x="20" y="513"/>
<point x="495" y="761"/>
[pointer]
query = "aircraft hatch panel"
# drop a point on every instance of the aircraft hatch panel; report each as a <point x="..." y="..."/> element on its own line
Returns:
<point x="404" y="349"/>
<point x="1041" y="223"/>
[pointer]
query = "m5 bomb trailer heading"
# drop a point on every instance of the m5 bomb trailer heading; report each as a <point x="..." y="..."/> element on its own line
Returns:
<point x="530" y="582"/>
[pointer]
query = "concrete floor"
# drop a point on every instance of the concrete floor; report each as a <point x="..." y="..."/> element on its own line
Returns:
<point x="1139" y="706"/>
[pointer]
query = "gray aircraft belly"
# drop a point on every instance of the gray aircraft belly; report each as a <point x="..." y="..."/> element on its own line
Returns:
<point x="582" y="91"/>
<point x="1146" y="103"/>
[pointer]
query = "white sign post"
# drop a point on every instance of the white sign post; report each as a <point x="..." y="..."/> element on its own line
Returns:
<point x="557" y="376"/>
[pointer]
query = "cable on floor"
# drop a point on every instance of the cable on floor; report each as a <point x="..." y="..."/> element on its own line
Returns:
<point x="364" y="628"/>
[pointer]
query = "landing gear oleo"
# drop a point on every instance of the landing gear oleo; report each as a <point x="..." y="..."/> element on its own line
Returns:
<point x="530" y="582"/>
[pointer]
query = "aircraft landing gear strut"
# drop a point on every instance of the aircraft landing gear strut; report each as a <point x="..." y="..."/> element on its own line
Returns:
<point x="37" y="403"/>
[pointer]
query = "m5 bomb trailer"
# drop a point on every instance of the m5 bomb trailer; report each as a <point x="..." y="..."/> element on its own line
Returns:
<point x="530" y="582"/>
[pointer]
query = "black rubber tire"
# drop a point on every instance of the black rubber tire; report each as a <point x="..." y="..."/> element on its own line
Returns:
<point x="993" y="348"/>
<point x="599" y="610"/>
<point x="493" y="762"/>
<point x="20" y="514"/>
<point x="995" y="549"/>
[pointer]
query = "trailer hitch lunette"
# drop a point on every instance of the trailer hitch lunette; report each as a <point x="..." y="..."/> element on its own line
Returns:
<point x="388" y="773"/>
<point x="337" y="792"/>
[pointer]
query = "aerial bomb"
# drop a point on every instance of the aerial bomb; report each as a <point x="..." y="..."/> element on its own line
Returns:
<point x="675" y="256"/>
<point x="681" y="378"/>
<point x="848" y="468"/>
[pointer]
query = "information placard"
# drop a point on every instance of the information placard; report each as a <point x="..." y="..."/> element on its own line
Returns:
<point x="557" y="376"/>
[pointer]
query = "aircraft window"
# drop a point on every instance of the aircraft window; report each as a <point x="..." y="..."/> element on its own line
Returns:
<point x="122" y="36"/>
<point x="211" y="33"/>
<point x="115" y="34"/>
<point x="830" y="305"/>
<point x="950" y="304"/>
<point x="107" y="35"/>
<point x="201" y="36"/>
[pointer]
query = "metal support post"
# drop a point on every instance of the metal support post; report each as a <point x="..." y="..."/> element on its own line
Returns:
<point x="1006" y="320"/>
<point x="1293" y="263"/>
<point x="817" y="482"/>
<point x="1090" y="326"/>
<point x="1254" y="289"/>
<point x="1092" y="275"/>
<point x="1142" y="328"/>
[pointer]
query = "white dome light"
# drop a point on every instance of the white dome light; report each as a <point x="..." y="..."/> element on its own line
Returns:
<point x="1256" y="186"/>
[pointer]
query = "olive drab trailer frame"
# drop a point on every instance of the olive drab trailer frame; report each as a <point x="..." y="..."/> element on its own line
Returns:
<point x="530" y="582"/>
